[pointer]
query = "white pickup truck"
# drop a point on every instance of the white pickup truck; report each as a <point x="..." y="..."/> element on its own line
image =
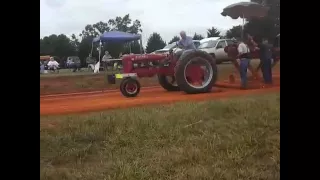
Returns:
<point x="173" y="45"/>
<point x="215" y="47"/>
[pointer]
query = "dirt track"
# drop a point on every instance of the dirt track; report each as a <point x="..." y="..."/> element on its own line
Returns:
<point x="112" y="99"/>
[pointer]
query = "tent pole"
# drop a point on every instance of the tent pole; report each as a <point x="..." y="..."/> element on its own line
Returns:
<point x="242" y="32"/>
<point x="91" y="48"/>
<point x="100" y="43"/>
<point x="141" y="47"/>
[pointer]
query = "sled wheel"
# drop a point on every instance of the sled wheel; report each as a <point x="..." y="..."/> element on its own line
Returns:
<point x="130" y="87"/>
<point x="208" y="65"/>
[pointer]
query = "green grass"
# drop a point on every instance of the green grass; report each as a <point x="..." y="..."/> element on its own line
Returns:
<point x="67" y="72"/>
<point x="234" y="139"/>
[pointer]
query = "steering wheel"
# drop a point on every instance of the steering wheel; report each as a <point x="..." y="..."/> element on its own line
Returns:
<point x="173" y="50"/>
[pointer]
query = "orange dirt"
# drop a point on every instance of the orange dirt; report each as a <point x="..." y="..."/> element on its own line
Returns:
<point x="112" y="99"/>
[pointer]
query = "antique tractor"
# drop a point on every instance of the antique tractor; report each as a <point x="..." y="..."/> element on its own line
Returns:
<point x="191" y="71"/>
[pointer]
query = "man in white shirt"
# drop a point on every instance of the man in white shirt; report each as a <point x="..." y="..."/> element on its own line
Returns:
<point x="244" y="56"/>
<point x="53" y="64"/>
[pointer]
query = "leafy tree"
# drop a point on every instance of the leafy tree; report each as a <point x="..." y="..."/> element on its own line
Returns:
<point x="213" y="32"/>
<point x="75" y="42"/>
<point x="197" y="36"/>
<point x="84" y="49"/>
<point x="89" y="31"/>
<point x="133" y="47"/>
<point x="62" y="46"/>
<point x="154" y="43"/>
<point x="274" y="10"/>
<point x="57" y="45"/>
<point x="101" y="27"/>
<point x="174" y="39"/>
<point x="268" y="26"/>
<point x="261" y="28"/>
<point x="234" y="32"/>
<point x="124" y="24"/>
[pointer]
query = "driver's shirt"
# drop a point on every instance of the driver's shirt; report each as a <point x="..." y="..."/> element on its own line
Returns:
<point x="186" y="43"/>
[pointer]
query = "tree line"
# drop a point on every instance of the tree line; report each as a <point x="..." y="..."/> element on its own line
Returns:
<point x="63" y="46"/>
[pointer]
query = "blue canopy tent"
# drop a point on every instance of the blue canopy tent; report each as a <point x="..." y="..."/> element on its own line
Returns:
<point x="118" y="37"/>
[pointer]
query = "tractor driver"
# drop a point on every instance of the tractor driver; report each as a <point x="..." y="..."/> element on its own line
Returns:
<point x="186" y="42"/>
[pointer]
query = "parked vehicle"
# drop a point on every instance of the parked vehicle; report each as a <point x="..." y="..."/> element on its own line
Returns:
<point x="166" y="49"/>
<point x="215" y="47"/>
<point x="74" y="63"/>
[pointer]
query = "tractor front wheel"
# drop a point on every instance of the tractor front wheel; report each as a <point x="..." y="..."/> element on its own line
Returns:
<point x="130" y="87"/>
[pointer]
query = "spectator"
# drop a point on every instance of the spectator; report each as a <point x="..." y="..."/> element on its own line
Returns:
<point x="106" y="60"/>
<point x="265" y="55"/>
<point x="244" y="56"/>
<point x="69" y="63"/>
<point x="41" y="67"/>
<point x="91" y="61"/>
<point x="76" y="63"/>
<point x="53" y="65"/>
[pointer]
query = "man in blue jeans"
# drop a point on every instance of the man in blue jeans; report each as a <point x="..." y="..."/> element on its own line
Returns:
<point x="265" y="54"/>
<point x="244" y="56"/>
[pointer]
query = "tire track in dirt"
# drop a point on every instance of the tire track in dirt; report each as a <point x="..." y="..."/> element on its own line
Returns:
<point x="87" y="102"/>
<point x="73" y="94"/>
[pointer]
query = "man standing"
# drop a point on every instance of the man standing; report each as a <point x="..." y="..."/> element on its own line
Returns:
<point x="244" y="56"/>
<point x="186" y="42"/>
<point x="265" y="54"/>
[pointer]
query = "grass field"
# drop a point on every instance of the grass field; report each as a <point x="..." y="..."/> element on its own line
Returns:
<point x="67" y="72"/>
<point x="67" y="81"/>
<point x="234" y="139"/>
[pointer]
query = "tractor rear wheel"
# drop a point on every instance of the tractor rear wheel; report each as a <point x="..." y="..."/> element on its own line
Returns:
<point x="206" y="62"/>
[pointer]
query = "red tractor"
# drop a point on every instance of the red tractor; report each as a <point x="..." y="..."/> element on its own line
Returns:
<point x="191" y="71"/>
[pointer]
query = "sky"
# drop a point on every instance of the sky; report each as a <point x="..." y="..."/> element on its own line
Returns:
<point x="166" y="17"/>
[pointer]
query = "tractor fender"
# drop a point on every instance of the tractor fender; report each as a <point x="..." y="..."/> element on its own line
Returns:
<point x="190" y="52"/>
<point x="187" y="53"/>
